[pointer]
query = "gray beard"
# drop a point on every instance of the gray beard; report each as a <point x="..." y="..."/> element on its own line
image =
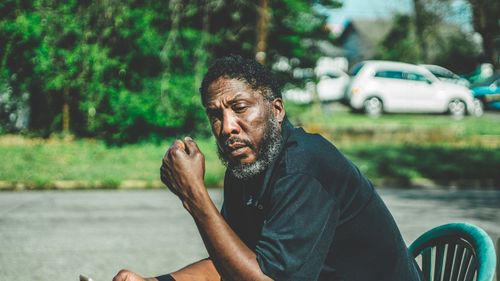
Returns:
<point x="269" y="150"/>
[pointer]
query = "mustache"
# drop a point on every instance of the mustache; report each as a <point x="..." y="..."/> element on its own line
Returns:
<point x="224" y="144"/>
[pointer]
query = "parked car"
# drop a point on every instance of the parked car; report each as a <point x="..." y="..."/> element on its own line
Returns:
<point x="488" y="92"/>
<point x="331" y="85"/>
<point x="298" y="95"/>
<point x="386" y="86"/>
<point x="446" y="75"/>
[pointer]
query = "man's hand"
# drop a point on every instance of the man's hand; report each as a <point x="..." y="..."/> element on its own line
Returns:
<point x="126" y="275"/>
<point x="183" y="170"/>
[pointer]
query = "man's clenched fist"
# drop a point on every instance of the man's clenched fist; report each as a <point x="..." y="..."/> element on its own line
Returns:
<point x="183" y="169"/>
<point x="126" y="275"/>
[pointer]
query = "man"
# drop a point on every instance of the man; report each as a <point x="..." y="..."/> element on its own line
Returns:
<point x="294" y="207"/>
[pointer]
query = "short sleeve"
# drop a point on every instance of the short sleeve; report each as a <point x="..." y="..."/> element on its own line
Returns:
<point x="298" y="229"/>
<point x="166" y="277"/>
<point x="223" y="211"/>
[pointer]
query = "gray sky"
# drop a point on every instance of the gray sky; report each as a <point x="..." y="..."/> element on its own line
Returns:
<point x="372" y="9"/>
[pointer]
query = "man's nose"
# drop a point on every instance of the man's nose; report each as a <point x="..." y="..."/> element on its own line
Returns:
<point x="230" y="124"/>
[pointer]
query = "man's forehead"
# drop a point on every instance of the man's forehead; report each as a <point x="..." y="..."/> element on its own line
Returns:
<point x="230" y="89"/>
<point x="227" y="82"/>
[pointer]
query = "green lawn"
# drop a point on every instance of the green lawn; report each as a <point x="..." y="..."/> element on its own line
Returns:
<point x="402" y="150"/>
<point x="40" y="163"/>
<point x="343" y="127"/>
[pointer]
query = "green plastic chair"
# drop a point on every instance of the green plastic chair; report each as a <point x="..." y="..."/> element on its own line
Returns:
<point x="455" y="252"/>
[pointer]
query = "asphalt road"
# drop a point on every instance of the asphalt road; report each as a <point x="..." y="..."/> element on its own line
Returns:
<point x="57" y="235"/>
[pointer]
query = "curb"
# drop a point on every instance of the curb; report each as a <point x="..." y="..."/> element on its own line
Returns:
<point x="422" y="183"/>
<point x="79" y="185"/>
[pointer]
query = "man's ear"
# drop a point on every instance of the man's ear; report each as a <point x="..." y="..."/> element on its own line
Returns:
<point x="278" y="109"/>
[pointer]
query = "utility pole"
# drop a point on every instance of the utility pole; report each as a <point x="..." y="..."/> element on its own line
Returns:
<point x="262" y="30"/>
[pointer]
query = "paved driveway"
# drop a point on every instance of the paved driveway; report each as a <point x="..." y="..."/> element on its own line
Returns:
<point x="57" y="235"/>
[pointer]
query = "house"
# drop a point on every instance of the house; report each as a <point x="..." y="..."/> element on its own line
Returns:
<point x="360" y="38"/>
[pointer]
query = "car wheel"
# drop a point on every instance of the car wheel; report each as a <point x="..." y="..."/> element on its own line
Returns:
<point x="373" y="106"/>
<point x="457" y="108"/>
<point x="478" y="108"/>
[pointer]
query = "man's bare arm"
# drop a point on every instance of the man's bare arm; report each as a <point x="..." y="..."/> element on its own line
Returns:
<point x="233" y="259"/>
<point x="183" y="171"/>
<point x="203" y="270"/>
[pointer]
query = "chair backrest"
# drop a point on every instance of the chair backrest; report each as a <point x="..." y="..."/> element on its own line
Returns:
<point x="455" y="252"/>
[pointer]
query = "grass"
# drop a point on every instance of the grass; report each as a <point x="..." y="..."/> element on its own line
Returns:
<point x="41" y="163"/>
<point x="402" y="150"/>
<point x="345" y="128"/>
<point x="407" y="165"/>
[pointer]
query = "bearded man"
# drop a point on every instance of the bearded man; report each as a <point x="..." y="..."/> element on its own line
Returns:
<point x="294" y="207"/>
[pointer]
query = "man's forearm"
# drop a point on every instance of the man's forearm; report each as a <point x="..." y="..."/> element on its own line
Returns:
<point x="203" y="270"/>
<point x="182" y="170"/>
<point x="233" y="259"/>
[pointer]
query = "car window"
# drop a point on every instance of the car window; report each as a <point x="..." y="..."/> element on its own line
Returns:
<point x="331" y="75"/>
<point x="356" y="68"/>
<point x="486" y="82"/>
<point x="442" y="75"/>
<point x="414" y="76"/>
<point x="389" y="74"/>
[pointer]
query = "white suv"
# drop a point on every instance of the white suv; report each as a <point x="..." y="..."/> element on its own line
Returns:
<point x="386" y="86"/>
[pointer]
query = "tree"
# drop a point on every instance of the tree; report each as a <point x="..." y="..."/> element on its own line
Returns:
<point x="430" y="37"/>
<point x="400" y="43"/>
<point x="127" y="71"/>
<point x="19" y="34"/>
<point x="486" y="22"/>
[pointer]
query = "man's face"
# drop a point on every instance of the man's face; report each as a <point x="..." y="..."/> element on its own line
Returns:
<point x="242" y="121"/>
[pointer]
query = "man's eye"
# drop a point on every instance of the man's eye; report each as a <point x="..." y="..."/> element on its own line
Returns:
<point x="239" y="108"/>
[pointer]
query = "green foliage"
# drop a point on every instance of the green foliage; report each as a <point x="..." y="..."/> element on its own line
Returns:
<point x="430" y="40"/>
<point x="130" y="70"/>
<point x="446" y="165"/>
<point x="295" y="27"/>
<point x="457" y="53"/>
<point x="400" y="43"/>
<point x="485" y="21"/>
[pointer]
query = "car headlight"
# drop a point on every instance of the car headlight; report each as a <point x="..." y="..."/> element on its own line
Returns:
<point x="355" y="90"/>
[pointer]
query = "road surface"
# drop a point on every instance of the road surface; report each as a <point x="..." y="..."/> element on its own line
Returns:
<point x="57" y="235"/>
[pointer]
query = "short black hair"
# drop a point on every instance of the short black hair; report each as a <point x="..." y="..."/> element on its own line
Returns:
<point x="246" y="70"/>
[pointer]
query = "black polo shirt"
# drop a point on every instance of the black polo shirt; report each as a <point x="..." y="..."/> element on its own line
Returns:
<point x="314" y="216"/>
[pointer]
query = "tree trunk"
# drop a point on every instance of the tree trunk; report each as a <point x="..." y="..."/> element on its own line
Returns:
<point x="486" y="24"/>
<point x="201" y="53"/>
<point x="167" y="52"/>
<point x="65" y="112"/>
<point x="262" y="30"/>
<point x="419" y="9"/>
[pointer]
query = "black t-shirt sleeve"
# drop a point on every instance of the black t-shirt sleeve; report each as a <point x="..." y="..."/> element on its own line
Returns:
<point x="166" y="277"/>
<point x="298" y="229"/>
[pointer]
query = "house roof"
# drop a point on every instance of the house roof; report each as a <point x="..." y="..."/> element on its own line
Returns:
<point x="371" y="31"/>
<point x="328" y="49"/>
